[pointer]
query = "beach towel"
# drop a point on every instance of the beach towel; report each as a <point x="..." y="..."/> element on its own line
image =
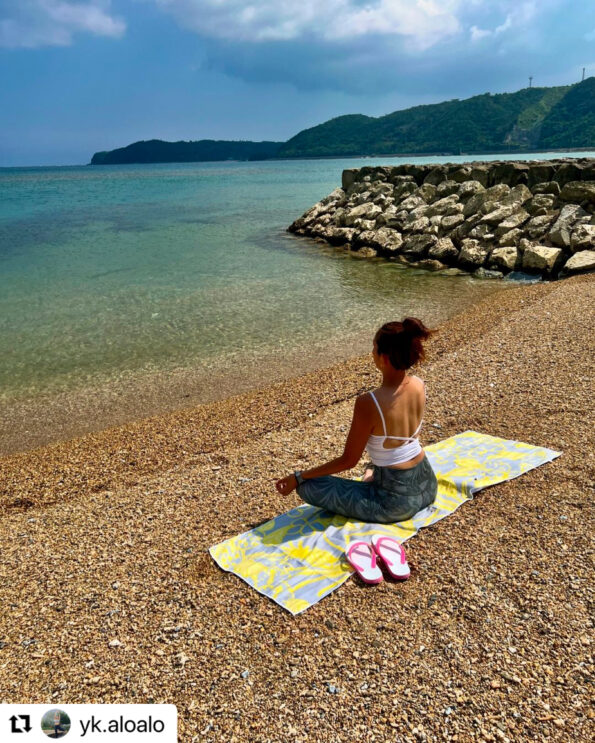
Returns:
<point x="298" y="558"/>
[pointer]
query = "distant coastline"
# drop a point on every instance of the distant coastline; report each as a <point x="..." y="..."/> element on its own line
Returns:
<point x="532" y="120"/>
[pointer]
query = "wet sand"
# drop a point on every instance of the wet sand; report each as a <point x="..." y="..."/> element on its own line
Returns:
<point x="105" y="538"/>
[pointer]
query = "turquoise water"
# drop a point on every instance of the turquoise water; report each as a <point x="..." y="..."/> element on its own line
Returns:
<point x="114" y="269"/>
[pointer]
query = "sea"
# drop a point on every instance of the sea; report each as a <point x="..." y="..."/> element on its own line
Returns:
<point x="138" y="272"/>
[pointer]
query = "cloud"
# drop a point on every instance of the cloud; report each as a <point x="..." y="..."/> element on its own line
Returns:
<point x="421" y="22"/>
<point x="35" y="23"/>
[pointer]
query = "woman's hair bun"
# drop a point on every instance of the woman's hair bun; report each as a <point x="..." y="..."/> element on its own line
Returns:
<point x="402" y="341"/>
<point x="415" y="328"/>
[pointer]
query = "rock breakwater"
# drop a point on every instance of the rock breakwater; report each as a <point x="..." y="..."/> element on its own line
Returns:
<point x="485" y="218"/>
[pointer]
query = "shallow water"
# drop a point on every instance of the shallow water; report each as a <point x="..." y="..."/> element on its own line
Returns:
<point x="115" y="270"/>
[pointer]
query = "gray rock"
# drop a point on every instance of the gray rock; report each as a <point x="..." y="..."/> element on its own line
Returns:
<point x="510" y="238"/>
<point x="541" y="201"/>
<point x="442" y="205"/>
<point x="468" y="189"/>
<point x="582" y="237"/>
<point x="418" y="245"/>
<point x="365" y="252"/>
<point x="412" y="202"/>
<point x="348" y="177"/>
<point x="364" y="224"/>
<point x="472" y="253"/>
<point x="443" y="250"/>
<point x="427" y="192"/>
<point x="459" y="174"/>
<point x="366" y="211"/>
<point x="499" y="214"/>
<point x="385" y="240"/>
<point x="446" y="188"/>
<point x="450" y="222"/>
<point x="403" y="190"/>
<point x="578" y="192"/>
<point x="568" y="172"/>
<point x="418" y="225"/>
<point x="516" y="219"/>
<point x="387" y="214"/>
<point x="510" y="173"/>
<point x="506" y="258"/>
<point x="454" y="272"/>
<point x="539" y="173"/>
<point x="538" y="226"/>
<point x="519" y="195"/>
<point x="486" y="200"/>
<point x="481" y="231"/>
<point x="436" y="175"/>
<point x="542" y="259"/>
<point x="429" y="264"/>
<point x="553" y="188"/>
<point x="579" y="263"/>
<point x="480" y="172"/>
<point x="484" y="273"/>
<point x="341" y="235"/>
<point x="562" y="229"/>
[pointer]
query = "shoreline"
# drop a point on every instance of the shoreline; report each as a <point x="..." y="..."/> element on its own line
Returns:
<point x="105" y="556"/>
<point x="154" y="443"/>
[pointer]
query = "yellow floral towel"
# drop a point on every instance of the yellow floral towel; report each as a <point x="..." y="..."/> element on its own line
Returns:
<point x="298" y="557"/>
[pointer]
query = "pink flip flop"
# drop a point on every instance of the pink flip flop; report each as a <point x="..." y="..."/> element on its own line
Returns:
<point x="366" y="566"/>
<point x="393" y="555"/>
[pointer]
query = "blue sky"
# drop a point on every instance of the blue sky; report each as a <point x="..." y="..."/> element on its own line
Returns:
<point x="79" y="76"/>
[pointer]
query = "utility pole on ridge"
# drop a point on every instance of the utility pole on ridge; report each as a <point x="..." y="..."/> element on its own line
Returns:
<point x="531" y="81"/>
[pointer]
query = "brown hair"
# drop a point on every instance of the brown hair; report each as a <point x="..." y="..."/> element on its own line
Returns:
<point x="402" y="341"/>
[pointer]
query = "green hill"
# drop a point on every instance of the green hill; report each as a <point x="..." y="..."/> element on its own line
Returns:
<point x="532" y="118"/>
<point x="157" y="151"/>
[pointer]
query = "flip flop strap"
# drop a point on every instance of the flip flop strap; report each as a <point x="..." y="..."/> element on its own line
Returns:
<point x="400" y="550"/>
<point x="371" y="554"/>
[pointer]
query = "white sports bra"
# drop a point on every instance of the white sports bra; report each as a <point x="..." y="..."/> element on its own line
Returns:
<point x="383" y="457"/>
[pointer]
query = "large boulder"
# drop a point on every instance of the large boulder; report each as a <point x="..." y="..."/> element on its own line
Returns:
<point x="436" y="175"/>
<point x="510" y="238"/>
<point x="384" y="240"/>
<point x="510" y="173"/>
<point x="341" y="235"/>
<point x="348" y="177"/>
<point x="538" y="226"/>
<point x="485" y="201"/>
<point x="473" y="253"/>
<point x="442" y="206"/>
<point x="416" y="225"/>
<point x="444" y="250"/>
<point x="542" y="259"/>
<point x="568" y="171"/>
<point x="582" y="237"/>
<point x="578" y="192"/>
<point x="579" y="263"/>
<point x="515" y="220"/>
<point x="540" y="204"/>
<point x="418" y="245"/>
<point x="553" y="188"/>
<point x="506" y="258"/>
<point x="367" y="211"/>
<point x="449" y="223"/>
<point x="562" y="228"/>
<point x="539" y="173"/>
<point x="468" y="189"/>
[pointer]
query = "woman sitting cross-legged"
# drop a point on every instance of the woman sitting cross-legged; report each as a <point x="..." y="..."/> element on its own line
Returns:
<point x="386" y="422"/>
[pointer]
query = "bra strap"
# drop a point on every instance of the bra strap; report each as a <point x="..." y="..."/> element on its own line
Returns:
<point x="380" y="411"/>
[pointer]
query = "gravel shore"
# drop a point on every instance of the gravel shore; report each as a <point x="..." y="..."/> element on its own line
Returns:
<point x="109" y="595"/>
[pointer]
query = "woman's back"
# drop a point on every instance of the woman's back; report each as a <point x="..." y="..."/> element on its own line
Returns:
<point x="402" y="409"/>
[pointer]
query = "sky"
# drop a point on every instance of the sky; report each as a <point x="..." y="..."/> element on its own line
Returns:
<point x="80" y="76"/>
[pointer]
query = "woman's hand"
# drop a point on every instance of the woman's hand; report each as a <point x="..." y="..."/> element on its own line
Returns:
<point x="286" y="485"/>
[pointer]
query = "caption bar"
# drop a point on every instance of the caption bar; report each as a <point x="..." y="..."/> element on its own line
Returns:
<point x="110" y="723"/>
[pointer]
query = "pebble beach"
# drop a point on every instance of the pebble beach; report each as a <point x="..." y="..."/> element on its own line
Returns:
<point x="109" y="593"/>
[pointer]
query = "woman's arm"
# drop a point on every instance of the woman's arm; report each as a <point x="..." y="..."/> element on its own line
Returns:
<point x="361" y="426"/>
